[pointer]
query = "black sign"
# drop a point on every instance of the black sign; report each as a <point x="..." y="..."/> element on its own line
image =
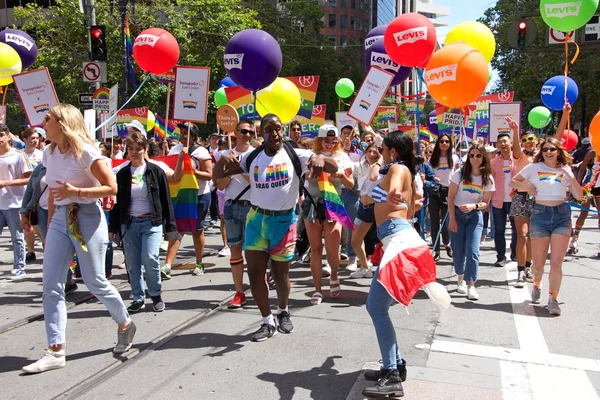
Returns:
<point x="85" y="99"/>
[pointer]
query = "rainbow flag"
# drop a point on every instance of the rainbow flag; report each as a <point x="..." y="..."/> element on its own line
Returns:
<point x="129" y="46"/>
<point x="243" y="101"/>
<point x="307" y="85"/>
<point x="386" y="113"/>
<point x="426" y="136"/>
<point x="310" y="128"/>
<point x="159" y="128"/>
<point x="334" y="207"/>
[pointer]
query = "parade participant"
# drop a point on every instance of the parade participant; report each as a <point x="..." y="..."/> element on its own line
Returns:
<point x="213" y="148"/>
<point x="548" y="178"/>
<point x="236" y="208"/>
<point x="591" y="179"/>
<point x="15" y="171"/>
<point x="295" y="128"/>
<point x="443" y="162"/>
<point x="470" y="192"/>
<point x="350" y="197"/>
<point x="77" y="177"/>
<point x="313" y="211"/>
<point x="31" y="138"/>
<point x="368" y="172"/>
<point x="142" y="212"/>
<point x="225" y="251"/>
<point x="202" y="164"/>
<point x="274" y="172"/>
<point x="135" y="126"/>
<point x="117" y="147"/>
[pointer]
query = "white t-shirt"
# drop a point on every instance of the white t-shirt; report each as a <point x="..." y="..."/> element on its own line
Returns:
<point x="343" y="163"/>
<point x="550" y="183"/>
<point x="66" y="168"/>
<point x="13" y="165"/>
<point x="507" y="178"/>
<point x="444" y="170"/>
<point x="160" y="164"/>
<point x="34" y="157"/>
<point x="274" y="184"/>
<point x="44" y="197"/>
<point x="139" y="192"/>
<point x="364" y="184"/>
<point x="238" y="182"/>
<point x="200" y="154"/>
<point x="470" y="193"/>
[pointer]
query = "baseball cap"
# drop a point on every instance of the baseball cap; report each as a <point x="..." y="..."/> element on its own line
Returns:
<point x="137" y="125"/>
<point x="325" y="129"/>
<point x="585" y="140"/>
<point x="213" y="134"/>
<point x="40" y="131"/>
<point x="490" y="149"/>
<point x="191" y="127"/>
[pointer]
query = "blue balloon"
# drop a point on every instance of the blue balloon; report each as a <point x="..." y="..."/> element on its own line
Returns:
<point x="553" y="92"/>
<point x="226" y="82"/>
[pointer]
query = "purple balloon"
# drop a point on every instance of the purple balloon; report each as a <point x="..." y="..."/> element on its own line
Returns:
<point x="253" y="59"/>
<point x="377" y="56"/>
<point x="22" y="43"/>
<point x="373" y="35"/>
<point x="432" y="125"/>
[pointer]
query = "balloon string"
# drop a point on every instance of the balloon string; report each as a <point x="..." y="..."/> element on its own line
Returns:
<point x="410" y="96"/>
<point x="124" y="104"/>
<point x="567" y="40"/>
<point x="4" y="95"/>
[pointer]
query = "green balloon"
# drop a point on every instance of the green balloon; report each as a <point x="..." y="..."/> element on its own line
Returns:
<point x="539" y="117"/>
<point x="220" y="97"/>
<point x="344" y="88"/>
<point x="490" y="72"/>
<point x="566" y="16"/>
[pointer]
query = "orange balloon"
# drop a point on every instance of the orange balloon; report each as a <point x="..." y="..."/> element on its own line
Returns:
<point x="456" y="75"/>
<point x="595" y="133"/>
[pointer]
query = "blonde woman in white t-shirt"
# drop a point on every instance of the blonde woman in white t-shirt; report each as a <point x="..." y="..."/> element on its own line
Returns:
<point x="548" y="178"/>
<point x="469" y="194"/>
<point x="77" y="177"/>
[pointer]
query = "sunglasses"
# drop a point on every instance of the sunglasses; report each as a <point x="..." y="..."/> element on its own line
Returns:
<point x="271" y="129"/>
<point x="549" y="149"/>
<point x="444" y="142"/>
<point x="330" y="141"/>
<point x="527" y="139"/>
<point x="475" y="155"/>
<point x="244" y="131"/>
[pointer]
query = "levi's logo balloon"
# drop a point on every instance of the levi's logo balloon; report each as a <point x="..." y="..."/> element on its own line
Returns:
<point x="440" y="75"/>
<point x="146" y="39"/>
<point x="233" y="61"/>
<point x="411" y="35"/>
<point x="369" y="41"/>
<point x="383" y="61"/>
<point x="20" y="40"/>
<point x="562" y="10"/>
<point x="548" y="89"/>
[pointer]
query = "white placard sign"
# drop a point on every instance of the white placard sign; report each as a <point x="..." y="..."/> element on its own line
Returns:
<point x="369" y="95"/>
<point x="89" y="117"/>
<point x="498" y="113"/>
<point x="37" y="94"/>
<point x="190" y="100"/>
<point x="113" y="104"/>
<point x="342" y="119"/>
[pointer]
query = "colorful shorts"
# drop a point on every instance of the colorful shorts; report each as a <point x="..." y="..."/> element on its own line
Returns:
<point x="522" y="205"/>
<point x="274" y="234"/>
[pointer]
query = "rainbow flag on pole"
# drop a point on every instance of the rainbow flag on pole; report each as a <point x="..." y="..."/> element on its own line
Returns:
<point x="386" y="113"/>
<point x="307" y="85"/>
<point x="129" y="45"/>
<point x="334" y="207"/>
<point x="159" y="128"/>
<point x="426" y="136"/>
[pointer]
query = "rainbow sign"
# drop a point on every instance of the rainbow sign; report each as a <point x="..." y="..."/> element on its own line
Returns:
<point x="307" y="85"/>
<point x="386" y="113"/>
<point x="243" y="101"/>
<point x="101" y="94"/>
<point x="310" y="128"/>
<point x="190" y="104"/>
<point x="42" y="108"/>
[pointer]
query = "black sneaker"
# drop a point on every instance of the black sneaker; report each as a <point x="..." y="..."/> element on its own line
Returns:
<point x="389" y="385"/>
<point x="284" y="323"/>
<point x="448" y="251"/>
<point x="375" y="375"/>
<point x="136" y="306"/>
<point x="157" y="304"/>
<point x="70" y="288"/>
<point x="263" y="333"/>
<point x="500" y="263"/>
<point x="30" y="257"/>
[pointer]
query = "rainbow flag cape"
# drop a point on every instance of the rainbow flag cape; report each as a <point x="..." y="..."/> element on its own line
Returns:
<point x="243" y="101"/>
<point x="159" y="128"/>
<point x="129" y="47"/>
<point x="307" y="85"/>
<point x="334" y="207"/>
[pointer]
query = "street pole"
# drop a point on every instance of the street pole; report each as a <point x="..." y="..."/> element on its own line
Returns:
<point x="90" y="9"/>
<point x="123" y="13"/>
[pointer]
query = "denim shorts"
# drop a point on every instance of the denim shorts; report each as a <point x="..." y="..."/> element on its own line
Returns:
<point x="549" y="220"/>
<point x="235" y="221"/>
<point x="203" y="207"/>
<point x="365" y="213"/>
<point x="393" y="226"/>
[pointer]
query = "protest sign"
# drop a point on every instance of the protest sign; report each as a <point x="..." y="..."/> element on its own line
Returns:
<point x="37" y="94"/>
<point x="126" y="116"/>
<point x="190" y="99"/>
<point x="307" y="85"/>
<point x="310" y="128"/>
<point x="498" y="113"/>
<point x="342" y="119"/>
<point x="370" y="94"/>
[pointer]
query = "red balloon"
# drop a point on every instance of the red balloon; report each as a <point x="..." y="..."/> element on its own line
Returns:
<point x="569" y="140"/>
<point x="410" y="39"/>
<point x="156" y="51"/>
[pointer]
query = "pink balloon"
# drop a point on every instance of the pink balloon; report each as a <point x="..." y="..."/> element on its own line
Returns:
<point x="569" y="140"/>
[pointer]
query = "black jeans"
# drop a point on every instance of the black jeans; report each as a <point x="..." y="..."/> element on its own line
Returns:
<point x="500" y="215"/>
<point x="214" y="206"/>
<point x="435" y="208"/>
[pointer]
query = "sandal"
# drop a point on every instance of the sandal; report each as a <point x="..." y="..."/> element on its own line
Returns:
<point x="316" y="299"/>
<point x="335" y="292"/>
<point x="448" y="250"/>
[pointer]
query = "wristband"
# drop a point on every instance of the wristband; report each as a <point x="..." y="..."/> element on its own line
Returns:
<point x="79" y="193"/>
<point x="477" y="206"/>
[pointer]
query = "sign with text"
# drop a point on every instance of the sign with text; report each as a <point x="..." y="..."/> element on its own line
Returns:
<point x="227" y="118"/>
<point x="342" y="119"/>
<point x="386" y="113"/>
<point x="190" y="101"/>
<point x="498" y="113"/>
<point x="37" y="94"/>
<point x="243" y="101"/>
<point x="101" y="100"/>
<point x="310" y="127"/>
<point x="370" y="94"/>
<point x="411" y="107"/>
<point x="126" y="116"/>
<point x="307" y="85"/>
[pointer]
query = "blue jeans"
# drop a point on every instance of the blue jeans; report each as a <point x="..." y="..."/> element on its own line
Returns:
<point x="547" y="221"/>
<point x="235" y="221"/>
<point x="141" y="243"/>
<point x="57" y="257"/>
<point x="13" y="219"/>
<point x="465" y="243"/>
<point x="500" y="215"/>
<point x="43" y="222"/>
<point x="351" y="204"/>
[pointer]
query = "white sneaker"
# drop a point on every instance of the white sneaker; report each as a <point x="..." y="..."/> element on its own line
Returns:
<point x="326" y="270"/>
<point x="224" y="252"/>
<point x="17" y="274"/>
<point x="461" y="287"/>
<point x="50" y="360"/>
<point x="361" y="273"/>
<point x="164" y="245"/>
<point x="472" y="293"/>
<point x="352" y="265"/>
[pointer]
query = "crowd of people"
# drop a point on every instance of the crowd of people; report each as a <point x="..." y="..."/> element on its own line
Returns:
<point x="262" y="187"/>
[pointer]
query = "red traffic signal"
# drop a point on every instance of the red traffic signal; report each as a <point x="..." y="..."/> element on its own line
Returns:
<point x="97" y="33"/>
<point x="521" y="34"/>
<point x="97" y="41"/>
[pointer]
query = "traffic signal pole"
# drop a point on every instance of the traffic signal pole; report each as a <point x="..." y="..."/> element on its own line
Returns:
<point x="90" y="9"/>
<point x="125" y="84"/>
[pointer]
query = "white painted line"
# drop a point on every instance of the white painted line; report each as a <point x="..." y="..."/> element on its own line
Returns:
<point x="560" y="383"/>
<point x="515" y="381"/>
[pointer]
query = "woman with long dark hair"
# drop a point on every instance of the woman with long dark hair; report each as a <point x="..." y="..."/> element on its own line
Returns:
<point x="548" y="178"/>
<point x="443" y="162"/>
<point x="469" y="194"/>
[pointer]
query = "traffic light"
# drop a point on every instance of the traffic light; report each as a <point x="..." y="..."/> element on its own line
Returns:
<point x="98" y="42"/>
<point x="522" y="34"/>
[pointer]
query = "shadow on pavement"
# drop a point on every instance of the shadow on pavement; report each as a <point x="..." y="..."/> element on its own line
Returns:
<point x="223" y="344"/>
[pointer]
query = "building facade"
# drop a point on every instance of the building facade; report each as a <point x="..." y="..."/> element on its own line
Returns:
<point x="6" y="9"/>
<point x="347" y="22"/>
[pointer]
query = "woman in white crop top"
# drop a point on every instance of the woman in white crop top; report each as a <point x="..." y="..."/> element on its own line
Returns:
<point x="548" y="178"/>
<point x="77" y="178"/>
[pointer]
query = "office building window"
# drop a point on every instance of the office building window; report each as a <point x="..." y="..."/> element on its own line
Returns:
<point x="353" y="4"/>
<point x="331" y="39"/>
<point x="331" y="3"/>
<point x="332" y="20"/>
<point x="343" y="21"/>
<point x="352" y="22"/>
<point x="343" y="41"/>
<point x="343" y="3"/>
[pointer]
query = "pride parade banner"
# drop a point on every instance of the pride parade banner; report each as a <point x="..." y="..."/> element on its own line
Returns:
<point x="386" y="113"/>
<point x="126" y="116"/>
<point x="243" y="101"/>
<point x="37" y="94"/>
<point x="307" y="85"/>
<point x="310" y="128"/>
<point x="190" y="99"/>
<point x="411" y="107"/>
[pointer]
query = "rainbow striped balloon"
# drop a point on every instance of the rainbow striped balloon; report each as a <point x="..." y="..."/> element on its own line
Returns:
<point x="334" y="207"/>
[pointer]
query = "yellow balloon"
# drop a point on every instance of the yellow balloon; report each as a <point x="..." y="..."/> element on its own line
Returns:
<point x="475" y="34"/>
<point x="281" y="98"/>
<point x="151" y="120"/>
<point x="10" y="64"/>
